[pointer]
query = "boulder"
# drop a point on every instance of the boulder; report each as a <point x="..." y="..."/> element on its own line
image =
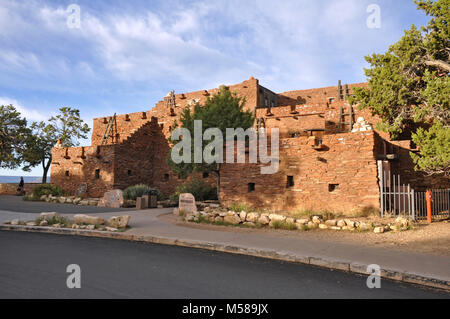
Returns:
<point x="341" y="223"/>
<point x="57" y="225"/>
<point x="378" y="230"/>
<point x="77" y="200"/>
<point x="62" y="199"/>
<point x="43" y="223"/>
<point x="218" y="219"/>
<point x="232" y="219"/>
<point x="86" y="219"/>
<point x="84" y="202"/>
<point x="31" y="224"/>
<point x="49" y="215"/>
<point x="252" y="217"/>
<point x="263" y="220"/>
<point x="243" y="215"/>
<point x="317" y="219"/>
<point x="15" y="222"/>
<point x="112" y="199"/>
<point x="43" y="198"/>
<point x="302" y="221"/>
<point x="119" y="221"/>
<point x="277" y="218"/>
<point x="93" y="202"/>
<point x="323" y="226"/>
<point x="111" y="229"/>
<point x="290" y="220"/>
<point x="90" y="227"/>
<point x="331" y="222"/>
<point x="312" y="225"/>
<point x="335" y="228"/>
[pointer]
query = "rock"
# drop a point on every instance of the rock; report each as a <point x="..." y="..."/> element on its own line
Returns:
<point x="111" y="229"/>
<point x="363" y="226"/>
<point x="252" y="217"/>
<point x="49" y="215"/>
<point x="323" y="226"/>
<point x="112" y="199"/>
<point x="48" y="199"/>
<point x="30" y="224"/>
<point x="335" y="228"/>
<point x="312" y="225"/>
<point x="43" y="198"/>
<point x="263" y="220"/>
<point x="119" y="221"/>
<point x="378" y="230"/>
<point x="190" y="218"/>
<point x="350" y="223"/>
<point x="302" y="221"/>
<point x="77" y="200"/>
<point x="243" y="215"/>
<point x="43" y="223"/>
<point x="75" y="226"/>
<point x="90" y="227"/>
<point x="331" y="222"/>
<point x="316" y="219"/>
<point x="218" y="219"/>
<point x="86" y="219"/>
<point x="222" y="214"/>
<point x="186" y="203"/>
<point x="93" y="202"/>
<point x="290" y="220"/>
<point x="82" y="226"/>
<point x="277" y="218"/>
<point x="396" y="227"/>
<point x="57" y="225"/>
<point x="341" y="223"/>
<point x="232" y="219"/>
<point x="84" y="202"/>
<point x="15" y="222"/>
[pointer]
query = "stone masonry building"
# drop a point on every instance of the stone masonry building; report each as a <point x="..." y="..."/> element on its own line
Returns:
<point x="330" y="152"/>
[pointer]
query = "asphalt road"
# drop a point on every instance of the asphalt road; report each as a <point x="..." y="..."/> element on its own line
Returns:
<point x="16" y="204"/>
<point x="34" y="265"/>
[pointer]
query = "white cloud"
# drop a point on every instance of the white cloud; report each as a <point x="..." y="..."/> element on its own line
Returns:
<point x="29" y="114"/>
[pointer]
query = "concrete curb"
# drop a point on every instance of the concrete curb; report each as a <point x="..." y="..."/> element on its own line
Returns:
<point x="357" y="268"/>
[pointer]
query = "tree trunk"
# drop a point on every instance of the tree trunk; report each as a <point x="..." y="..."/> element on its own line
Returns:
<point x="45" y="168"/>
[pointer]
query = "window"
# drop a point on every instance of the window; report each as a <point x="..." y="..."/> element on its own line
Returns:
<point x="333" y="187"/>
<point x="97" y="173"/>
<point x="166" y="177"/>
<point x="290" y="181"/>
<point x="205" y="175"/>
<point x="251" y="187"/>
<point x="67" y="173"/>
<point x="129" y="172"/>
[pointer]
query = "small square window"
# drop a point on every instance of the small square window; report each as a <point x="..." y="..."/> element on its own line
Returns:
<point x="205" y="175"/>
<point x="333" y="187"/>
<point x="251" y="187"/>
<point x="97" y="173"/>
<point x="166" y="177"/>
<point x="67" y="173"/>
<point x="290" y="181"/>
<point x="129" y="172"/>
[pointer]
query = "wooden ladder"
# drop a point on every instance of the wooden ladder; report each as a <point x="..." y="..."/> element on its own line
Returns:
<point x="111" y="128"/>
<point x="342" y="122"/>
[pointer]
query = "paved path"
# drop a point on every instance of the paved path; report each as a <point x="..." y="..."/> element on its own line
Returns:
<point x="34" y="266"/>
<point x="146" y="222"/>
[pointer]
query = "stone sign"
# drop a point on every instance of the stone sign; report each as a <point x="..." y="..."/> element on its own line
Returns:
<point x="112" y="199"/>
<point x="82" y="190"/>
<point x="187" y="203"/>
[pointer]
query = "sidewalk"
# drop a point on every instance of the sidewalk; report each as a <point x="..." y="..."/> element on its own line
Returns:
<point x="395" y="264"/>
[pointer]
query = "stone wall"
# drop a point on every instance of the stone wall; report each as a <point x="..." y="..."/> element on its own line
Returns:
<point x="11" y="188"/>
<point x="340" y="178"/>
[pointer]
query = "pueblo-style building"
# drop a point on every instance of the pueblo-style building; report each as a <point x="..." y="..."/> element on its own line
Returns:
<point x="331" y="155"/>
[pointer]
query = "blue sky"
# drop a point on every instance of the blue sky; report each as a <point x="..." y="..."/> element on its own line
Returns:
<point x="127" y="55"/>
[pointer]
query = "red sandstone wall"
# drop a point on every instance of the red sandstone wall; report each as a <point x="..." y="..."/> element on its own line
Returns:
<point x="348" y="160"/>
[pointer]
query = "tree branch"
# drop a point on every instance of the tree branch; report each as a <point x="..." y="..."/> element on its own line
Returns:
<point x="438" y="63"/>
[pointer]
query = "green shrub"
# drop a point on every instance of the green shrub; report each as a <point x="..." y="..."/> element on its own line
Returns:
<point x="196" y="187"/>
<point x="133" y="192"/>
<point x="47" y="189"/>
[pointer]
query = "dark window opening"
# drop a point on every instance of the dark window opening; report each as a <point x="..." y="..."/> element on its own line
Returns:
<point x="129" y="172"/>
<point x="67" y="173"/>
<point x="251" y="187"/>
<point x="166" y="177"/>
<point x="333" y="187"/>
<point x="205" y="175"/>
<point x="97" y="173"/>
<point x="290" y="181"/>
